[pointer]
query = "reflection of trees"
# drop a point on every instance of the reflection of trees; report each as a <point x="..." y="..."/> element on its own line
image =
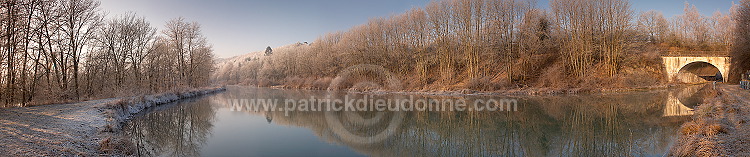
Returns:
<point x="595" y="125"/>
<point x="175" y="131"/>
<point x="609" y="124"/>
<point x="550" y="126"/>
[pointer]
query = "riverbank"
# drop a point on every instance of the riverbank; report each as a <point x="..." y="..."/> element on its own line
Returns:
<point x="529" y="91"/>
<point x="75" y="129"/>
<point x="719" y="126"/>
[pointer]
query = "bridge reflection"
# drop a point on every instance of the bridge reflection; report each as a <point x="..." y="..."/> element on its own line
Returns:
<point x="681" y="102"/>
<point x="675" y="108"/>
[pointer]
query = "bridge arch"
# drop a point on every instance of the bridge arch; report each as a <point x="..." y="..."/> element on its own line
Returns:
<point x="683" y="68"/>
<point x="698" y="71"/>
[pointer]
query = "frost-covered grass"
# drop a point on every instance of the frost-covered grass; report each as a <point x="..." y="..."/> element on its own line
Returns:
<point x="719" y="126"/>
<point x="120" y="110"/>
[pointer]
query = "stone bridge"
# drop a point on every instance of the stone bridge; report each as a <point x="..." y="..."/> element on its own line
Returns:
<point x="697" y="68"/>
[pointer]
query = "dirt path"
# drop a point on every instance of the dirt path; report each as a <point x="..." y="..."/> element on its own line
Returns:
<point x="736" y="92"/>
<point x="52" y="130"/>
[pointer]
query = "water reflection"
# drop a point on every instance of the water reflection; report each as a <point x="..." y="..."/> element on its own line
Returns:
<point x="682" y="101"/>
<point x="584" y="125"/>
<point x="173" y="131"/>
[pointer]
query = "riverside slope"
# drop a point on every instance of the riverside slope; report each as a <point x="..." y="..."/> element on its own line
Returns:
<point x="74" y="129"/>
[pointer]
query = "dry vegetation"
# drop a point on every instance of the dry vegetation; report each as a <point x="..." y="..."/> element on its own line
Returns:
<point x="719" y="126"/>
<point x="57" y="51"/>
<point x="117" y="145"/>
<point x="491" y="45"/>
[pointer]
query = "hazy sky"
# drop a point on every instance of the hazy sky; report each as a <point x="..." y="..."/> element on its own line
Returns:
<point x="236" y="27"/>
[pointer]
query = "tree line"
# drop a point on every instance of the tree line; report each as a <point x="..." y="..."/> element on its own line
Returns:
<point x="500" y="44"/>
<point x="740" y="50"/>
<point x="69" y="50"/>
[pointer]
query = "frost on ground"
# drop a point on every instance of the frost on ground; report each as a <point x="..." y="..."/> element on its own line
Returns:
<point x="75" y="129"/>
<point x="719" y="126"/>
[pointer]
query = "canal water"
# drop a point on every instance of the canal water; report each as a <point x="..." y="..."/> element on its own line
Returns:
<point x="227" y="124"/>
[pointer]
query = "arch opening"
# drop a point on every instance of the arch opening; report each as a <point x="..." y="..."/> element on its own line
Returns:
<point x="697" y="72"/>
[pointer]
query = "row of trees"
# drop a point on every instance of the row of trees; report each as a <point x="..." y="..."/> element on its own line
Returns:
<point x="690" y="30"/>
<point x="592" y="32"/>
<point x="493" y="44"/>
<point x="57" y="50"/>
<point x="741" y="48"/>
<point x="446" y="41"/>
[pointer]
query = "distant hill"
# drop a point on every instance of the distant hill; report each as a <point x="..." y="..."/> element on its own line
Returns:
<point x="239" y="69"/>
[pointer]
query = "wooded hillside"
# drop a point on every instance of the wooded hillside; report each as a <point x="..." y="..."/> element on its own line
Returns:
<point x="499" y="44"/>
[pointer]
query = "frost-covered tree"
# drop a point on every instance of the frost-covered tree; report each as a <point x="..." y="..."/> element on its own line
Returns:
<point x="741" y="48"/>
<point x="268" y="51"/>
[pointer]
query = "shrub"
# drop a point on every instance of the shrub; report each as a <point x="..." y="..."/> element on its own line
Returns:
<point x="322" y="83"/>
<point x="113" y="145"/>
<point x="482" y="84"/>
<point x="690" y="128"/>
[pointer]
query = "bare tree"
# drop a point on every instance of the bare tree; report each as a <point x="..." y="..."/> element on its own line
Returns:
<point x="740" y="51"/>
<point x="123" y="45"/>
<point x="722" y="30"/>
<point x="501" y="33"/>
<point x="195" y="56"/>
<point x="654" y="25"/>
<point x="14" y="24"/>
<point x="592" y="31"/>
<point x="692" y="28"/>
<point x="533" y="39"/>
<point x="80" y="20"/>
<point x="439" y="18"/>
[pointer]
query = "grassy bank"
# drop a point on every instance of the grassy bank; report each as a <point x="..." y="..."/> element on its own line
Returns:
<point x="527" y="91"/>
<point x="719" y="126"/>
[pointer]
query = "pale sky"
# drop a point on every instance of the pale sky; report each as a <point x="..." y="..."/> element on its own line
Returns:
<point x="237" y="27"/>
